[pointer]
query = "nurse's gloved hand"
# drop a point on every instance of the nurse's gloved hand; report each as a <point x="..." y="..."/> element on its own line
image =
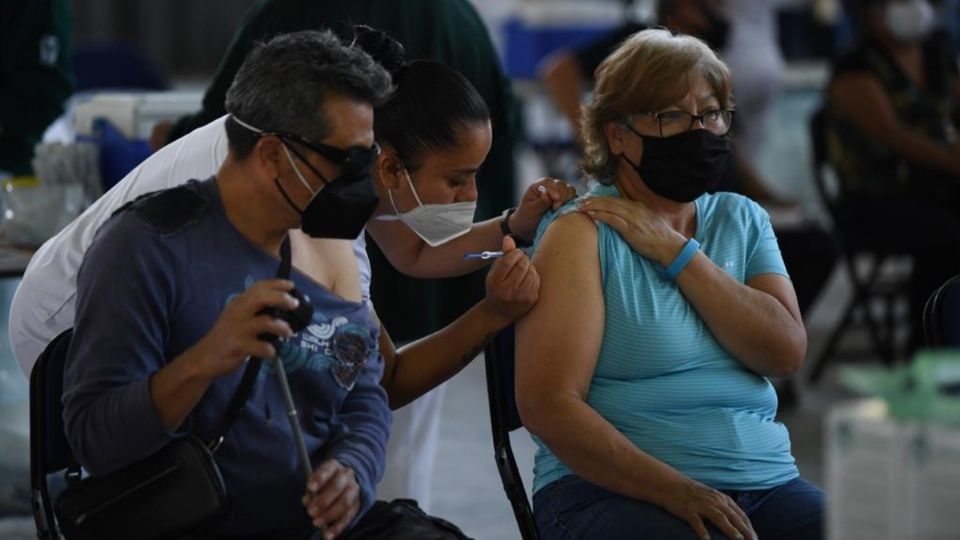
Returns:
<point x="544" y="194"/>
<point x="513" y="284"/>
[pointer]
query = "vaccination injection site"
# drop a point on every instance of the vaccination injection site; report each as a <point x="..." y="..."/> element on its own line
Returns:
<point x="480" y="269"/>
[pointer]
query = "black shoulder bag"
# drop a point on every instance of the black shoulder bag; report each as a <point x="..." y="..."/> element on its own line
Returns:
<point x="177" y="491"/>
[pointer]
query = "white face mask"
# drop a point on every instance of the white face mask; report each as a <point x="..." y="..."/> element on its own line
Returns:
<point x="910" y="21"/>
<point x="436" y="224"/>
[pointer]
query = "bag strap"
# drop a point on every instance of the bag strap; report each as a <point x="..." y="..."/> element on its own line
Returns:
<point x="239" y="399"/>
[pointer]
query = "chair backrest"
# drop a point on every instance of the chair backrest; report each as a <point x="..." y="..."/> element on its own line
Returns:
<point x="499" y="359"/>
<point x="49" y="450"/>
<point x="941" y="315"/>
<point x="821" y="158"/>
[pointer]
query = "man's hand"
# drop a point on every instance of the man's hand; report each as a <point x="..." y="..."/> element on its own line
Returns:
<point x="513" y="284"/>
<point x="332" y="498"/>
<point x="543" y="195"/>
<point x="234" y="335"/>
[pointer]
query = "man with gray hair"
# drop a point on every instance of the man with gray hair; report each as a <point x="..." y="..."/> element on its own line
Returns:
<point x="171" y="298"/>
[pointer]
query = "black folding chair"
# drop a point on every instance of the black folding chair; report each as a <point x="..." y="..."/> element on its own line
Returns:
<point x="499" y="358"/>
<point x="941" y="315"/>
<point x="49" y="451"/>
<point x="869" y="288"/>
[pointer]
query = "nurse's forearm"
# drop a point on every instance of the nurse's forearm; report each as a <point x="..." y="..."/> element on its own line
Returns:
<point x="424" y="364"/>
<point x="446" y="260"/>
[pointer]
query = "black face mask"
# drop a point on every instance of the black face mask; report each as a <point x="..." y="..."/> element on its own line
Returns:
<point x="341" y="209"/>
<point x="685" y="166"/>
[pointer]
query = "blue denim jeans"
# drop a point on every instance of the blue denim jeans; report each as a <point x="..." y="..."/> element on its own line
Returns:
<point x="571" y="508"/>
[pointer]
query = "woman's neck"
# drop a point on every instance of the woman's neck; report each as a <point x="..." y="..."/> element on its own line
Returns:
<point x="682" y="217"/>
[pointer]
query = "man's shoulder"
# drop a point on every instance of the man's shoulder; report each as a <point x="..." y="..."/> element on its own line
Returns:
<point x="170" y="210"/>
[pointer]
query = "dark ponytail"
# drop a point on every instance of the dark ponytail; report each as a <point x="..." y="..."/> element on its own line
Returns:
<point x="430" y="104"/>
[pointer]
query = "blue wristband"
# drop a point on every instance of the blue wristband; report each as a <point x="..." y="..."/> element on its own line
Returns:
<point x="686" y="254"/>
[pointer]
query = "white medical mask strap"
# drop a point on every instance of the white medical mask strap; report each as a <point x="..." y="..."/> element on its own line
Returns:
<point x="246" y="125"/>
<point x="297" y="171"/>
<point x="394" y="205"/>
<point x="410" y="183"/>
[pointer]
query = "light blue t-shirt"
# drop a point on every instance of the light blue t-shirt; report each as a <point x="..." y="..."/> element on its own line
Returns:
<point x="661" y="377"/>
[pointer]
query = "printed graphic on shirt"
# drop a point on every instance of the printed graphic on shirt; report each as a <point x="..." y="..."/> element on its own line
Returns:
<point x="336" y="344"/>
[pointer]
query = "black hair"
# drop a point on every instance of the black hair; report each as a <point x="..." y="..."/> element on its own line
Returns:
<point x="429" y="105"/>
<point x="282" y="84"/>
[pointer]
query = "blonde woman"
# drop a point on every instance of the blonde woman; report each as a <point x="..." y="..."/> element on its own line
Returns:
<point x="664" y="310"/>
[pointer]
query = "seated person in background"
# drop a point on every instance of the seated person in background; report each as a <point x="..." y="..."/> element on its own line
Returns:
<point x="170" y="292"/>
<point x="567" y="73"/>
<point x="652" y="407"/>
<point x="893" y="106"/>
<point x="36" y="77"/>
<point x="807" y="249"/>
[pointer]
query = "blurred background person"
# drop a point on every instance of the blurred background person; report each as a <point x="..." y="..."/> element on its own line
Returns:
<point x="892" y="105"/>
<point x="36" y="77"/>
<point x="569" y="72"/>
<point x="757" y="69"/>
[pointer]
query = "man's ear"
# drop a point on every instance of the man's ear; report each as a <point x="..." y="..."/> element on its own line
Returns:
<point x="269" y="158"/>
<point x="388" y="170"/>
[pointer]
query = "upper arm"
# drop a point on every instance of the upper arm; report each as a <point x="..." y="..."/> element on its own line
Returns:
<point x="860" y="99"/>
<point x="780" y="288"/>
<point x="766" y="270"/>
<point x="559" y="340"/>
<point x="121" y="331"/>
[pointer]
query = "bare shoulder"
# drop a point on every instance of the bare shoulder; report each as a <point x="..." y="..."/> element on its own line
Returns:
<point x="568" y="250"/>
<point x="574" y="231"/>
<point x="329" y="262"/>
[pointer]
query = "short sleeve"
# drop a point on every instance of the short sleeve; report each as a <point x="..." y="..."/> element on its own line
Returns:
<point x="765" y="257"/>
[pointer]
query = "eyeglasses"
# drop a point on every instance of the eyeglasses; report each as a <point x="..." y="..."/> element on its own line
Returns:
<point x="716" y="121"/>
<point x="352" y="160"/>
<point x="355" y="159"/>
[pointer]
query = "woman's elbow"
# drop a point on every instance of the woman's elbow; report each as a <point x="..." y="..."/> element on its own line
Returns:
<point x="539" y="413"/>
<point x="531" y="413"/>
<point x="792" y="355"/>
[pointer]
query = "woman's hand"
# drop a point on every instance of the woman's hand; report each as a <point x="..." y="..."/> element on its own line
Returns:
<point x="647" y="233"/>
<point x="544" y="194"/>
<point x="513" y="284"/>
<point x="695" y="503"/>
